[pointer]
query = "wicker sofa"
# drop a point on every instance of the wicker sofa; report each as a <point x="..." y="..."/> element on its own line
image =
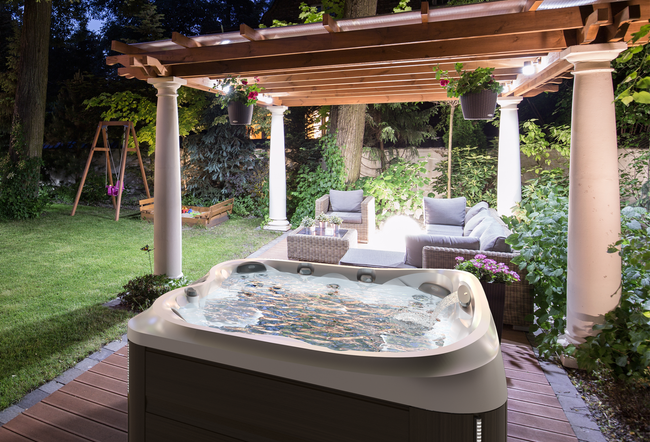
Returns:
<point x="361" y="217"/>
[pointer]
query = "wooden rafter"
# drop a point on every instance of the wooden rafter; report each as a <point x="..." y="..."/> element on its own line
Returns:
<point x="330" y="24"/>
<point x="184" y="41"/>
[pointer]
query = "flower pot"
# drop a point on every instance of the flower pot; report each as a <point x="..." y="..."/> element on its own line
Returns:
<point x="337" y="227"/>
<point x="322" y="225"/>
<point x="239" y="113"/>
<point x="496" y="296"/>
<point x="479" y="106"/>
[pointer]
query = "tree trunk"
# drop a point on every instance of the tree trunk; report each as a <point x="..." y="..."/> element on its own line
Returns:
<point x="350" y="120"/>
<point x="28" y="123"/>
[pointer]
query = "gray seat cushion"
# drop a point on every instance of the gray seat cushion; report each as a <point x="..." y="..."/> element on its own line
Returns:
<point x="450" y="212"/>
<point x="346" y="201"/>
<point x="415" y="244"/>
<point x="373" y="258"/>
<point x="348" y="217"/>
<point x="442" y="229"/>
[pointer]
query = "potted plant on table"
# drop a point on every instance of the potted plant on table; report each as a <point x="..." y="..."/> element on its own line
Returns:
<point x="336" y="221"/>
<point x="239" y="96"/>
<point x="308" y="223"/>
<point x="322" y="220"/>
<point x="493" y="276"/>
<point x="477" y="90"/>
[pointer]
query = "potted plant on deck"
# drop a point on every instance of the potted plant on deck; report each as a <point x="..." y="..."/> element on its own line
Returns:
<point x="493" y="277"/>
<point x="239" y="96"/>
<point x="477" y="89"/>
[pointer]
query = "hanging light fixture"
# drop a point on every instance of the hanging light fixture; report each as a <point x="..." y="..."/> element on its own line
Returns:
<point x="528" y="69"/>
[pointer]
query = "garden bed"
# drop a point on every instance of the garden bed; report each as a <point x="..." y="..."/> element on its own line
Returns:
<point x="201" y="216"/>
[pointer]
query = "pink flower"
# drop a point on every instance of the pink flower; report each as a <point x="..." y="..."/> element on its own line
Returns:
<point x="244" y="82"/>
<point x="444" y="83"/>
<point x="252" y="95"/>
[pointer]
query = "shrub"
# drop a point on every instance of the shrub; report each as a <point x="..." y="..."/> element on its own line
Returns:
<point x="398" y="190"/>
<point x="540" y="235"/>
<point x="139" y="293"/>
<point x="21" y="196"/>
<point x="623" y="344"/>
<point x="474" y="176"/>
<point x="312" y="184"/>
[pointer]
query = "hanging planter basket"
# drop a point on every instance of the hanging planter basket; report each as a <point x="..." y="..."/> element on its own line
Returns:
<point x="479" y="106"/>
<point x="239" y="113"/>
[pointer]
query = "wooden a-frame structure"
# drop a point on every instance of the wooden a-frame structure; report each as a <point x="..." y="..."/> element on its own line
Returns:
<point x="129" y="130"/>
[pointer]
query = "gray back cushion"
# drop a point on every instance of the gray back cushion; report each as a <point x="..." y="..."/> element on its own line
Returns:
<point x="415" y="244"/>
<point x="475" y="210"/>
<point x="346" y="201"/>
<point x="348" y="217"/>
<point x="483" y="226"/>
<point x="450" y="212"/>
<point x="474" y="222"/>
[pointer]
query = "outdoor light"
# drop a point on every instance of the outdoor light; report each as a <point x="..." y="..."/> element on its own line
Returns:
<point x="528" y="69"/>
<point x="479" y="429"/>
<point x="265" y="99"/>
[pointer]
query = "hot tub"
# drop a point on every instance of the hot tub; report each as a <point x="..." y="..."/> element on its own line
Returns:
<point x="353" y="354"/>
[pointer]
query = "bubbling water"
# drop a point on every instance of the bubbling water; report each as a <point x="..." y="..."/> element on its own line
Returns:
<point x="328" y="311"/>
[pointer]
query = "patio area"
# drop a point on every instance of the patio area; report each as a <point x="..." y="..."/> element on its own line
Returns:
<point x="89" y="402"/>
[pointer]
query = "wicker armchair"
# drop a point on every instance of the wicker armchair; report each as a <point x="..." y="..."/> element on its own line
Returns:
<point x="519" y="301"/>
<point x="366" y="229"/>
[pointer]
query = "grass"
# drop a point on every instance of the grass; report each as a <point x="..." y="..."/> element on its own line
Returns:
<point x="57" y="271"/>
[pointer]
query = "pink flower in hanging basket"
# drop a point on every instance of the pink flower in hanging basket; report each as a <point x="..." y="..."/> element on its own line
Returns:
<point x="244" y="82"/>
<point x="444" y="83"/>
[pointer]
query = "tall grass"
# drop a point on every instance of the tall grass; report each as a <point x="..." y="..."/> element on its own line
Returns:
<point x="57" y="271"/>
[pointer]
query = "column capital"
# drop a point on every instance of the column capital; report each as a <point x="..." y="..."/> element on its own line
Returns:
<point x="592" y="57"/>
<point x="159" y="82"/>
<point x="509" y="102"/>
<point x="275" y="110"/>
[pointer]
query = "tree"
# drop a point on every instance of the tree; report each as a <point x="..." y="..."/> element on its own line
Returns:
<point x="28" y="122"/>
<point x="348" y="121"/>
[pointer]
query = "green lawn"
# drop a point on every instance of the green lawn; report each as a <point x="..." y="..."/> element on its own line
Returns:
<point x="58" y="270"/>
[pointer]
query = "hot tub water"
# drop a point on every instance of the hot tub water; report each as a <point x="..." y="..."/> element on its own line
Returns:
<point x="329" y="311"/>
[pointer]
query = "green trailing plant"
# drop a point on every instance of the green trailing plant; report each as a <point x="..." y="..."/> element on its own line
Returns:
<point x="139" y="293"/>
<point x="540" y="235"/>
<point x="474" y="173"/>
<point x="637" y="82"/>
<point x="623" y="342"/>
<point x="469" y="82"/>
<point x="314" y="183"/>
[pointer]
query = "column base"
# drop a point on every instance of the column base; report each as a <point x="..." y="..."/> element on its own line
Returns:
<point x="278" y="226"/>
<point x="567" y="361"/>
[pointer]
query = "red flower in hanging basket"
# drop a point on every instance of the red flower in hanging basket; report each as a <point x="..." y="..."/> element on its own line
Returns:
<point x="444" y="83"/>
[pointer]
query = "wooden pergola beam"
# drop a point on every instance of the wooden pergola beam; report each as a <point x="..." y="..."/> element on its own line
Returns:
<point x="555" y="68"/>
<point x="424" y="12"/>
<point x="124" y="48"/>
<point x="330" y="24"/>
<point x="594" y="21"/>
<point x="184" y="41"/>
<point x="249" y="33"/>
<point x="378" y="98"/>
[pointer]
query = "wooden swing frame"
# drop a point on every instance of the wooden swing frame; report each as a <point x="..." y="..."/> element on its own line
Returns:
<point x="129" y="129"/>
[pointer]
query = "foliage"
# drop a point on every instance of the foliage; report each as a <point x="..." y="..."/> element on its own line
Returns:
<point x="141" y="110"/>
<point x="236" y="89"/>
<point x="21" y="197"/>
<point x="220" y="162"/>
<point x="337" y="221"/>
<point x="633" y="182"/>
<point x="249" y="206"/>
<point x="540" y="235"/>
<point x="623" y="344"/>
<point x="139" y="293"/>
<point x="636" y="85"/>
<point x="466" y="132"/>
<point x="471" y="82"/>
<point x="539" y="143"/>
<point x="307" y="221"/>
<point x="312" y="184"/>
<point x="311" y="14"/>
<point x="402" y="6"/>
<point x="474" y="174"/>
<point x="398" y="190"/>
<point x="487" y="270"/>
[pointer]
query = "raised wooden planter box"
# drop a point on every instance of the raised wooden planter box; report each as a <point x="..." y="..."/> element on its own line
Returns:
<point x="206" y="216"/>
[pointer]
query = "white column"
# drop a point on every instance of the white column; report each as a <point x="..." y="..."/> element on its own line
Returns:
<point x="167" y="181"/>
<point x="277" y="173"/>
<point x="509" y="165"/>
<point x="594" y="276"/>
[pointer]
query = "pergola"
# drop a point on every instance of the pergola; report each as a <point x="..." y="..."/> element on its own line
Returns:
<point x="386" y="59"/>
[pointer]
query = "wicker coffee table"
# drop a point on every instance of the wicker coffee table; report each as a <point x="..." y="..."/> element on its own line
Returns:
<point x="318" y="247"/>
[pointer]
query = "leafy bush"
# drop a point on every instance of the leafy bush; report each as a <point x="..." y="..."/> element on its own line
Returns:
<point x="312" y="184"/>
<point x="623" y="344"/>
<point x="541" y="236"/>
<point x="398" y="190"/>
<point x="634" y="184"/>
<point x="21" y="196"/>
<point x="139" y="293"/>
<point x="539" y="142"/>
<point x="474" y="175"/>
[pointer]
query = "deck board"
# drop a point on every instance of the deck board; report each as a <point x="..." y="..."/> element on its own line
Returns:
<point x="90" y="410"/>
<point x="104" y="382"/>
<point x="96" y="395"/>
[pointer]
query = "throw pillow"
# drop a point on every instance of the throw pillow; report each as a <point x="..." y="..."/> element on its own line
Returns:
<point x="475" y="221"/>
<point x="346" y="201"/>
<point x="493" y="238"/>
<point x="475" y="210"/>
<point x="483" y="226"/>
<point x="445" y="211"/>
<point x="415" y="244"/>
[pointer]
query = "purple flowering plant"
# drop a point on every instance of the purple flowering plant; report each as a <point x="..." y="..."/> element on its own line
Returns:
<point x="486" y="269"/>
